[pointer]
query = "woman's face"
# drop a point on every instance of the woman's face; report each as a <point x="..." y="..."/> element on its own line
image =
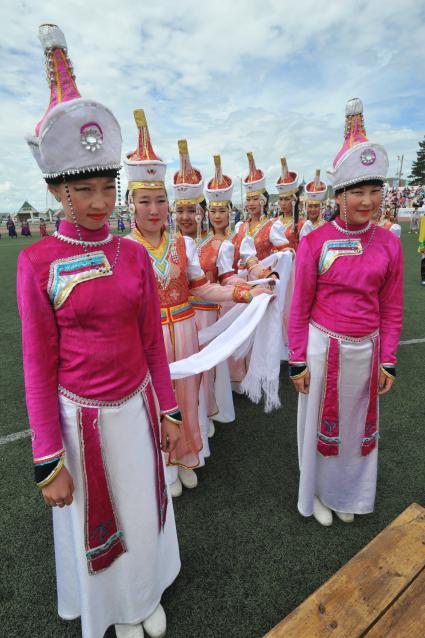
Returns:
<point x="93" y="200"/>
<point x="186" y="219"/>
<point x="285" y="205"/>
<point x="151" y="206"/>
<point x="363" y="202"/>
<point x="313" y="212"/>
<point x="219" y="217"/>
<point x="253" y="205"/>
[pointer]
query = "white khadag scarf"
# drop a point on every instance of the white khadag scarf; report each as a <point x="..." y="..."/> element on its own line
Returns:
<point x="257" y="327"/>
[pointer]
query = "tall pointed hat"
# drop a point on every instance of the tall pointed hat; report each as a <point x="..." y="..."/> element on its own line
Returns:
<point x="75" y="135"/>
<point x="315" y="191"/>
<point x="188" y="181"/>
<point x="287" y="183"/>
<point x="143" y="167"/>
<point x="220" y="188"/>
<point x="255" y="182"/>
<point x="358" y="159"/>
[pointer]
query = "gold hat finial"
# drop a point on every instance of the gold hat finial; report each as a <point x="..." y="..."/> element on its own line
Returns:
<point x="140" y="118"/>
<point x="183" y="148"/>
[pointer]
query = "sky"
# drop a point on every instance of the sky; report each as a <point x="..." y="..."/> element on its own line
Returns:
<point x="268" y="76"/>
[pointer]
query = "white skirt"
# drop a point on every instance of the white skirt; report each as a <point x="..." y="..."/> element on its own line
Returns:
<point x="219" y="377"/>
<point x="347" y="482"/>
<point x="131" y="588"/>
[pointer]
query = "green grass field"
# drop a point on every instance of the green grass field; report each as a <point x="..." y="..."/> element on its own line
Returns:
<point x="248" y="557"/>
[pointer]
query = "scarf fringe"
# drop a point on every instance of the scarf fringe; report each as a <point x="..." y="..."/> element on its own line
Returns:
<point x="255" y="387"/>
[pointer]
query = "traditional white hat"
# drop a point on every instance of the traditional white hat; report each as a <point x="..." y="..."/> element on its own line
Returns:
<point x="255" y="183"/>
<point x="144" y="169"/>
<point x="315" y="191"/>
<point x="75" y="135"/>
<point x="220" y="188"/>
<point x="288" y="181"/>
<point x="188" y="181"/>
<point x="358" y="159"/>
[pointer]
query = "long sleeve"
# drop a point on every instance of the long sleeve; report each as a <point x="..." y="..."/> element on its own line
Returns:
<point x="198" y="283"/>
<point x="40" y="347"/>
<point x="391" y="309"/>
<point x="302" y="302"/>
<point x="396" y="230"/>
<point x="277" y="236"/>
<point x="306" y="229"/>
<point x="153" y="340"/>
<point x="225" y="258"/>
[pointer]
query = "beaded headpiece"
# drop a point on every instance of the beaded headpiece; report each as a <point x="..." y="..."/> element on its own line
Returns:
<point x="358" y="159"/>
<point x="315" y="191"/>
<point x="143" y="167"/>
<point x="255" y="183"/>
<point x="220" y="188"/>
<point x="287" y="183"/>
<point x="188" y="181"/>
<point x="75" y="135"/>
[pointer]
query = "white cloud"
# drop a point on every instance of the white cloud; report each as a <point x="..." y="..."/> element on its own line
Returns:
<point x="269" y="76"/>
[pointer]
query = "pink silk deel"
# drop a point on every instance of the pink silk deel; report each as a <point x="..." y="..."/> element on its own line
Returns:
<point x="96" y="337"/>
<point x="352" y="294"/>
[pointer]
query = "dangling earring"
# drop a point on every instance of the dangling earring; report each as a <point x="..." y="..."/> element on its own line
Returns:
<point x="172" y="219"/>
<point x="198" y="219"/>
<point x="132" y="211"/>
<point x="345" y="209"/>
<point x="119" y="190"/>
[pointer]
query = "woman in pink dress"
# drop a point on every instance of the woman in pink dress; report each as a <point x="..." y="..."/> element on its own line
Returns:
<point x="178" y="275"/>
<point x="344" y="330"/>
<point x="96" y="377"/>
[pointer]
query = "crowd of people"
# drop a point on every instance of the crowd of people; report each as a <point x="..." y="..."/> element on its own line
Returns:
<point x="133" y="346"/>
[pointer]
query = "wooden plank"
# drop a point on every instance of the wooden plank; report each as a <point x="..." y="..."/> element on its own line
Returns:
<point x="363" y="589"/>
<point x="406" y="617"/>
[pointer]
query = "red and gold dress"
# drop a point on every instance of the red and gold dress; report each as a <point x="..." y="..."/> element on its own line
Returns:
<point x="179" y="275"/>
<point x="216" y="258"/>
<point x="268" y="234"/>
<point x="292" y="237"/>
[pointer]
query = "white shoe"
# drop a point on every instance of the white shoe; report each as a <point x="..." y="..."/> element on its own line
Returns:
<point x="188" y="478"/>
<point x="129" y="631"/>
<point x="211" y="428"/>
<point x="321" y="513"/>
<point x="344" y="517"/>
<point x="176" y="488"/>
<point x="156" y="625"/>
<point x="237" y="387"/>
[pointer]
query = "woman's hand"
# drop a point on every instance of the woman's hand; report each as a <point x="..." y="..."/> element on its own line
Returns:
<point x="259" y="290"/>
<point x="385" y="383"/>
<point x="170" y="435"/>
<point x="302" y="384"/>
<point x="59" y="492"/>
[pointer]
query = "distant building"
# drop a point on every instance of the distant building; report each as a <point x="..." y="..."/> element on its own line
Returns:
<point x="26" y="213"/>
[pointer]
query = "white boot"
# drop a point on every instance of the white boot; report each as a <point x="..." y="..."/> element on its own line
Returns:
<point x="176" y="488"/>
<point x="129" y="631"/>
<point x="156" y="625"/>
<point x="188" y="478"/>
<point x="321" y="513"/>
<point x="211" y="428"/>
<point x="344" y="517"/>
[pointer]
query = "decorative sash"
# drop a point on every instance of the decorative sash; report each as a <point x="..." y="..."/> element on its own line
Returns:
<point x="328" y="435"/>
<point x="103" y="536"/>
